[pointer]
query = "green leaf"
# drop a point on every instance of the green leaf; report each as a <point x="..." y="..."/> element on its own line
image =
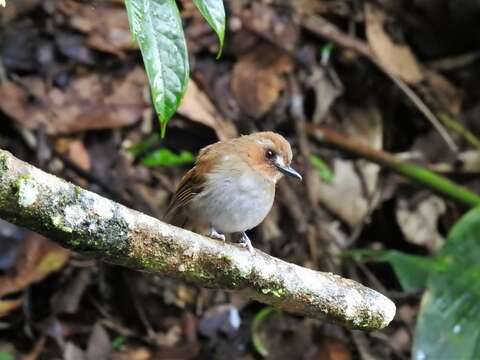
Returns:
<point x="449" y="317"/>
<point x="157" y="27"/>
<point x="412" y="271"/>
<point x="213" y="12"/>
<point x="165" y="157"/>
<point x="142" y="146"/>
<point x="118" y="342"/>
<point x="322" y="168"/>
<point x="257" y="322"/>
<point x="5" y="356"/>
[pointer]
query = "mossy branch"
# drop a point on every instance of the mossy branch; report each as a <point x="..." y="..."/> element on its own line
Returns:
<point x="86" y="222"/>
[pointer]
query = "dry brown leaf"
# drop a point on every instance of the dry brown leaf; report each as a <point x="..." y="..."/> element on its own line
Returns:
<point x="349" y="194"/>
<point x="17" y="8"/>
<point x="333" y="349"/>
<point x="258" y="79"/>
<point x="396" y="59"/>
<point x="38" y="258"/>
<point x="89" y="102"/>
<point x="75" y="151"/>
<point x="327" y="87"/>
<point x="7" y="306"/>
<point x="134" y="353"/>
<point x="99" y="344"/>
<point x="418" y="222"/>
<point x="106" y="24"/>
<point x="441" y="93"/>
<point x="197" y="107"/>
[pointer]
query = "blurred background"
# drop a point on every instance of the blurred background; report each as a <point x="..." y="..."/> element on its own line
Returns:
<point x="398" y="77"/>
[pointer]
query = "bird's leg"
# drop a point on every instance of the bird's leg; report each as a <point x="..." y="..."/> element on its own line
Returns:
<point x="216" y="235"/>
<point x="245" y="241"/>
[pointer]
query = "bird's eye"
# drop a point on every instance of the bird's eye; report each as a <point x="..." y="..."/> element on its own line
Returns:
<point x="270" y="154"/>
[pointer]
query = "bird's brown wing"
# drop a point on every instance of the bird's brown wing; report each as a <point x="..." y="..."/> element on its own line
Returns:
<point x="189" y="186"/>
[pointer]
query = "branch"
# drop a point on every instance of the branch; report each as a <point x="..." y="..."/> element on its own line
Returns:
<point x="437" y="183"/>
<point x="86" y="222"/>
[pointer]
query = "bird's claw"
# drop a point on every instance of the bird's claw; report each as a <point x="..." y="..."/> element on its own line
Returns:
<point x="216" y="235"/>
<point x="245" y="242"/>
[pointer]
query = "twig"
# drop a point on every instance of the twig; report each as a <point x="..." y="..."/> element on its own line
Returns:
<point x="457" y="126"/>
<point x="84" y="221"/>
<point x="322" y="27"/>
<point x="417" y="173"/>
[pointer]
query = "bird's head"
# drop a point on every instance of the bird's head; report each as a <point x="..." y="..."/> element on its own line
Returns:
<point x="270" y="154"/>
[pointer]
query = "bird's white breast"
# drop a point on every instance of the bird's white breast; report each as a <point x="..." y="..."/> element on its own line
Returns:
<point x="234" y="202"/>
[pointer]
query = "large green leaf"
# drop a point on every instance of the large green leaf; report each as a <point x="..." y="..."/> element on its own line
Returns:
<point x="412" y="271"/>
<point x="157" y="27"/>
<point x="213" y="12"/>
<point x="448" y="325"/>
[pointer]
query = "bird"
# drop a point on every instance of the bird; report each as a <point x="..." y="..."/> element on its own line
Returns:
<point x="231" y="187"/>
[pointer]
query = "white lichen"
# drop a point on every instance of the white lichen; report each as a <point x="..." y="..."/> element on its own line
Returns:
<point x="58" y="222"/>
<point x="352" y="301"/>
<point x="27" y="192"/>
<point x="127" y="216"/>
<point x="102" y="207"/>
<point x="74" y="215"/>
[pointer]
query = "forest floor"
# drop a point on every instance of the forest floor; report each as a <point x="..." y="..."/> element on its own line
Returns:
<point x="400" y="77"/>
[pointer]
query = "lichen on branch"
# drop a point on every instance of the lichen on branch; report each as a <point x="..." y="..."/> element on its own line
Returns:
<point x="86" y="222"/>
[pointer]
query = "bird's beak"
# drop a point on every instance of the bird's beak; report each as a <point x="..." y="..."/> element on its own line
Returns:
<point x="288" y="170"/>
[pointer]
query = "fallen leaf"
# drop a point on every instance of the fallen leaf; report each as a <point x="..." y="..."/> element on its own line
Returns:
<point x="332" y="349"/>
<point x="67" y="299"/>
<point x="354" y="182"/>
<point x="17" y="8"/>
<point x="345" y="194"/>
<point x="99" y="344"/>
<point x="397" y="59"/>
<point x="89" y="102"/>
<point x="418" y="222"/>
<point x="106" y="24"/>
<point x="38" y="258"/>
<point x="134" y="353"/>
<point x="441" y="93"/>
<point x="197" y="107"/>
<point x="7" y="306"/>
<point x="75" y="151"/>
<point x="327" y="87"/>
<point x="265" y="19"/>
<point x="258" y="79"/>
<point x="73" y="352"/>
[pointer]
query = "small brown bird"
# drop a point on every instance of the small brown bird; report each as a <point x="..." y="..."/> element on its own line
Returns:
<point x="232" y="185"/>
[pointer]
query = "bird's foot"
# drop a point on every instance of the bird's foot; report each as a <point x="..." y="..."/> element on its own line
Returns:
<point x="216" y="235"/>
<point x="245" y="242"/>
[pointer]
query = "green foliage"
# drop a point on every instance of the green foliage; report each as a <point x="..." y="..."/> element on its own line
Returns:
<point x="322" y="168"/>
<point x="412" y="271"/>
<point x="142" y="146"/>
<point x="5" y="356"/>
<point x="165" y="157"/>
<point x="257" y="322"/>
<point x="447" y="325"/>
<point x="118" y="342"/>
<point x="213" y="12"/>
<point x="449" y="318"/>
<point x="157" y="27"/>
